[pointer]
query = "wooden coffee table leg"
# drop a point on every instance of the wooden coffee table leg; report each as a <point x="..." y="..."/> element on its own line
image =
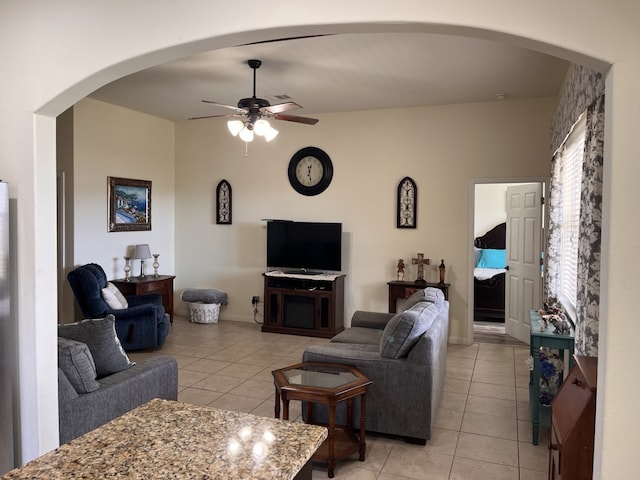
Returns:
<point x="331" y="460"/>
<point x="277" y="406"/>
<point x="363" y="422"/>
<point x="285" y="407"/>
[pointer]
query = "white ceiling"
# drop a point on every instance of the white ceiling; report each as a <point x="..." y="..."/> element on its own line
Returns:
<point x="338" y="73"/>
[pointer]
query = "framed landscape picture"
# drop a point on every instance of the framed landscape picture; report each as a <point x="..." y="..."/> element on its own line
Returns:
<point x="129" y="204"/>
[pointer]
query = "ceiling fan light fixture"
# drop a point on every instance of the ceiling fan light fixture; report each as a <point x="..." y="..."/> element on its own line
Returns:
<point x="246" y="135"/>
<point x="235" y="127"/>
<point x="261" y="127"/>
<point x="270" y="134"/>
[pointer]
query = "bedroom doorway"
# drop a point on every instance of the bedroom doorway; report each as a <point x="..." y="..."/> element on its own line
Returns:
<point x="488" y="244"/>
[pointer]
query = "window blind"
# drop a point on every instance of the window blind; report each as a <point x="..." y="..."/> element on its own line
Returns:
<point x="571" y="173"/>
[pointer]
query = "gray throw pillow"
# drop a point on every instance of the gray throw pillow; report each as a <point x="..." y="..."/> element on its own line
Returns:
<point x="75" y="360"/>
<point x="405" y="329"/>
<point x="100" y="336"/>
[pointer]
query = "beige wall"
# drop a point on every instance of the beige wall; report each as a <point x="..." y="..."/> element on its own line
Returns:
<point x="118" y="142"/>
<point x="502" y="140"/>
<point x="371" y="152"/>
<point x="49" y="69"/>
<point x="490" y="205"/>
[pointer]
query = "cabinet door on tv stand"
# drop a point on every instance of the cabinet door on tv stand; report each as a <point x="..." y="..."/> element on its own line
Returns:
<point x="272" y="308"/>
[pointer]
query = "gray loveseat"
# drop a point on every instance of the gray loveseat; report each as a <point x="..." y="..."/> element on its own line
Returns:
<point x="404" y="354"/>
<point x="97" y="382"/>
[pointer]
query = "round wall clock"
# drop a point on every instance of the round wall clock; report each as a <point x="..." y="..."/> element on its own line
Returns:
<point x="310" y="171"/>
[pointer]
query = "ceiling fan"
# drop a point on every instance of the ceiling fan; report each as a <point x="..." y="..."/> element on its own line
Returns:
<point x="255" y="110"/>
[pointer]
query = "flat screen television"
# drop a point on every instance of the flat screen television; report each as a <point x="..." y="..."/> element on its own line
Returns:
<point x="304" y="247"/>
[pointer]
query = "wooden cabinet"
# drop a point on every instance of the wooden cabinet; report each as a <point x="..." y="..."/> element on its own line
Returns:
<point x="573" y="418"/>
<point x="311" y="306"/>
<point x="403" y="290"/>
<point x="162" y="284"/>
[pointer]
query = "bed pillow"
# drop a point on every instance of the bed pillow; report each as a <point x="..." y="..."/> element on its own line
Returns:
<point x="476" y="255"/>
<point x="492" y="258"/>
<point x="100" y="336"/>
<point x="112" y="296"/>
<point x="75" y="360"/>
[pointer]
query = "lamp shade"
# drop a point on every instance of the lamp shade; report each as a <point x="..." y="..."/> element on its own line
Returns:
<point x="261" y="126"/>
<point x="270" y="134"/>
<point x="235" y="126"/>
<point x="142" y="252"/>
<point x="246" y="135"/>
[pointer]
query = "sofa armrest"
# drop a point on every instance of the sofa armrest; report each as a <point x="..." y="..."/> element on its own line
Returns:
<point x="66" y="392"/>
<point x="375" y="320"/>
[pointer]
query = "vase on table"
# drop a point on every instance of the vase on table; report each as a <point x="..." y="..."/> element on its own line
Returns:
<point x="127" y="269"/>
<point x="156" y="265"/>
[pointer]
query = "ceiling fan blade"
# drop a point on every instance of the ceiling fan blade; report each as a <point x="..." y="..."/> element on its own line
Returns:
<point x="295" y="118"/>
<point x="281" y="107"/>
<point x="217" y="116"/>
<point x="231" y="107"/>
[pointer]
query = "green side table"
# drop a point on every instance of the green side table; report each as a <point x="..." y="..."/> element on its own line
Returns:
<point x="539" y="413"/>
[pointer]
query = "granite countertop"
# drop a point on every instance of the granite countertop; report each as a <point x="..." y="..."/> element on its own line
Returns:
<point x="166" y="439"/>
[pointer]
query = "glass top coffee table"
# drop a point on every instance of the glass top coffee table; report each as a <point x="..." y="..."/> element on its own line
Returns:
<point x="328" y="384"/>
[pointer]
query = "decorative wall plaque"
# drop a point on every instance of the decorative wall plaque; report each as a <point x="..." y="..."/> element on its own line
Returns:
<point x="407" y="203"/>
<point x="223" y="203"/>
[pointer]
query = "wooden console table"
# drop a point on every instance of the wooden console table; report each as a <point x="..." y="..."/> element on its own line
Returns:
<point x="403" y="290"/>
<point x="167" y="439"/>
<point x="162" y="284"/>
<point x="546" y="338"/>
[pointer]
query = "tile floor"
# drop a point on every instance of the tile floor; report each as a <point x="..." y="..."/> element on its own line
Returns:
<point x="482" y="430"/>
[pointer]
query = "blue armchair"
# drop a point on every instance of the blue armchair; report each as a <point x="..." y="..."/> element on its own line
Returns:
<point x="143" y="325"/>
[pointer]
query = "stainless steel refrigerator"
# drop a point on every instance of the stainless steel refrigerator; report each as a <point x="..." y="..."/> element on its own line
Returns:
<point x="7" y="341"/>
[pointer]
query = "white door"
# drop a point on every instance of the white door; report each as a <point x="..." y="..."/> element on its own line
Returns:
<point x="523" y="278"/>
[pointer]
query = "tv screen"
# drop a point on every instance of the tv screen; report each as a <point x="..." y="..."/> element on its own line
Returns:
<point x="304" y="246"/>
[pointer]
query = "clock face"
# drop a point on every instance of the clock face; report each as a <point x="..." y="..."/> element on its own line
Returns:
<point x="310" y="171"/>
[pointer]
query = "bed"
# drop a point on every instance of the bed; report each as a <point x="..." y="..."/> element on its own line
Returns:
<point x="489" y="274"/>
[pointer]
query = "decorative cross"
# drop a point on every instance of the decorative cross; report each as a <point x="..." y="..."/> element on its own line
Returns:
<point x="421" y="262"/>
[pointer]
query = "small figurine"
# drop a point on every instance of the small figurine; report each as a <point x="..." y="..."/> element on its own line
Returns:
<point x="552" y="314"/>
<point x="561" y="324"/>
<point x="400" y="275"/>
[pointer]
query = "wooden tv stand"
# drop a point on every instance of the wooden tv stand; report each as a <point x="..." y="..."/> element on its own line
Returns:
<point x="310" y="305"/>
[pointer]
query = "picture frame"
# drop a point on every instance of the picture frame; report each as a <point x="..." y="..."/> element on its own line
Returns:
<point x="223" y="203"/>
<point x="407" y="204"/>
<point x="129" y="205"/>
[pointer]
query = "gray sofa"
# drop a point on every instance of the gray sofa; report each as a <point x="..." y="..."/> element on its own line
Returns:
<point x="156" y="377"/>
<point x="404" y="354"/>
<point x="97" y="381"/>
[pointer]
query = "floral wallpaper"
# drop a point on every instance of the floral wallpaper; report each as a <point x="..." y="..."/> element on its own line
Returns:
<point x="583" y="91"/>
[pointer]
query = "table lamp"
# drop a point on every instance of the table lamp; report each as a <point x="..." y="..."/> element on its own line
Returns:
<point x="142" y="252"/>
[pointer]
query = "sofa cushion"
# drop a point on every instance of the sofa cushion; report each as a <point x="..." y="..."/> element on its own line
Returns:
<point x="76" y="362"/>
<point x="416" y="297"/>
<point x="112" y="296"/>
<point x="405" y="329"/>
<point x="434" y="295"/>
<point x="369" y="336"/>
<point x="100" y="336"/>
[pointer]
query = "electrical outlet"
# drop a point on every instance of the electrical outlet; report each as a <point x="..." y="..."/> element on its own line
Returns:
<point x="255" y="299"/>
